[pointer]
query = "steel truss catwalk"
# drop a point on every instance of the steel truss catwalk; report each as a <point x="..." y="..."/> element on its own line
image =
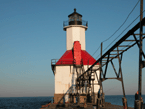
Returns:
<point x="115" y="52"/>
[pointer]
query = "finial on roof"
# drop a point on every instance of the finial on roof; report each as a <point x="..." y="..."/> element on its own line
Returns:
<point x="74" y="9"/>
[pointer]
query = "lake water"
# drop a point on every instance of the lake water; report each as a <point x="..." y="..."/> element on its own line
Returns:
<point x="36" y="102"/>
<point x="117" y="99"/>
<point x="23" y="102"/>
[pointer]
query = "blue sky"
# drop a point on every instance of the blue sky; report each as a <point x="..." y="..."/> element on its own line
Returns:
<point x="31" y="34"/>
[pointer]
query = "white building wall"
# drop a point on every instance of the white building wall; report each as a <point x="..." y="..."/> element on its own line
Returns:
<point x="82" y="39"/>
<point x="69" y="40"/>
<point x="63" y="79"/>
<point x="75" y="33"/>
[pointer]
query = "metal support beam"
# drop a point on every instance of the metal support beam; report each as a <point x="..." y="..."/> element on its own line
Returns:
<point x="119" y="60"/>
<point x="140" y="51"/>
<point x="129" y="40"/>
<point x="117" y="50"/>
<point x="101" y="60"/>
<point x="103" y="79"/>
<point x="123" y="46"/>
<point x="106" y="66"/>
<point x="139" y="34"/>
<point x="138" y="45"/>
<point x="143" y="64"/>
<point x="114" y="68"/>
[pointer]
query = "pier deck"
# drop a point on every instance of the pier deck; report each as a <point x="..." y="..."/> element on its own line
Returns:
<point x="82" y="106"/>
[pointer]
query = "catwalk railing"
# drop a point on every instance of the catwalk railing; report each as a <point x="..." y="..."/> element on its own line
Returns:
<point x="77" y="22"/>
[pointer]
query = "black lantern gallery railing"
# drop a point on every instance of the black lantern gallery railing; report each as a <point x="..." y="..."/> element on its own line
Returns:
<point x="77" y="22"/>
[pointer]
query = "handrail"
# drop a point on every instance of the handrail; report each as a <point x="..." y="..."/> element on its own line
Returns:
<point x="63" y="61"/>
<point x="67" y="61"/>
<point x="82" y="22"/>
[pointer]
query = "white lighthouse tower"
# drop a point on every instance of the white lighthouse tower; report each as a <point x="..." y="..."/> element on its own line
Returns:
<point x="74" y="61"/>
<point x="75" y="30"/>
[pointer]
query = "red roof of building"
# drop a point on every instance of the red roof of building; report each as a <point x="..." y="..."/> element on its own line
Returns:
<point x="68" y="58"/>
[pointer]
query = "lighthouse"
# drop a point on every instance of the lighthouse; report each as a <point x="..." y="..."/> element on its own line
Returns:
<point x="73" y="62"/>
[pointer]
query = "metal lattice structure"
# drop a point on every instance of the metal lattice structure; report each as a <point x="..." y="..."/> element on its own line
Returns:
<point x="116" y="52"/>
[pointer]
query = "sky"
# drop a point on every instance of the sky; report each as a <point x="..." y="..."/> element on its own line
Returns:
<point x="31" y="34"/>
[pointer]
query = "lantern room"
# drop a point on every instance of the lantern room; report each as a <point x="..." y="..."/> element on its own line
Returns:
<point x="75" y="18"/>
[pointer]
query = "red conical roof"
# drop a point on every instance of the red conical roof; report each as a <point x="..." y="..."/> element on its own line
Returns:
<point x="67" y="58"/>
<point x="76" y="56"/>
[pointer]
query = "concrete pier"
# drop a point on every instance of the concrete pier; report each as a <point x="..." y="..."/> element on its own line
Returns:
<point x="83" y="106"/>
